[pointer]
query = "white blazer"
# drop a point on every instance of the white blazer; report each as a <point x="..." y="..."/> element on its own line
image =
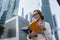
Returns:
<point x="47" y="32"/>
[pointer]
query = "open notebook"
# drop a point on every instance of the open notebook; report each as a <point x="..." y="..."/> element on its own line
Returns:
<point x="25" y="29"/>
<point x="33" y="27"/>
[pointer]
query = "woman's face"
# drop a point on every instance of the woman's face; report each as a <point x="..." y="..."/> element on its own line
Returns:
<point x="36" y="15"/>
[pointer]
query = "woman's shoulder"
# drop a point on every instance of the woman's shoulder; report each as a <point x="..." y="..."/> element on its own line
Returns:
<point x="46" y="22"/>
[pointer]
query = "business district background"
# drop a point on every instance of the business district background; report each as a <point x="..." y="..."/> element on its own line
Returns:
<point x="18" y="14"/>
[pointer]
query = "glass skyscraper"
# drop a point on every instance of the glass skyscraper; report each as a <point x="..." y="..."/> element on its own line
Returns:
<point x="47" y="14"/>
<point x="10" y="6"/>
<point x="8" y="10"/>
<point x="1" y="4"/>
<point x="55" y="24"/>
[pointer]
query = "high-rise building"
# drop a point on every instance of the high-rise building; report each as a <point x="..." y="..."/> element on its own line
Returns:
<point x="1" y="4"/>
<point x="47" y="12"/>
<point x="23" y="12"/>
<point x="30" y="17"/>
<point x="3" y="8"/>
<point x="55" y="24"/>
<point x="10" y="10"/>
<point x="26" y="17"/>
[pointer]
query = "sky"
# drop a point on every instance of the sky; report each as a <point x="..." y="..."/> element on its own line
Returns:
<point x="28" y="6"/>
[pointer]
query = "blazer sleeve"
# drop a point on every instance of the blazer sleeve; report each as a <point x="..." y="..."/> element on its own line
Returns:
<point x="48" y="33"/>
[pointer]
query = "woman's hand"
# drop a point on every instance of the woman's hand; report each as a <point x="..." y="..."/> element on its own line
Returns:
<point x="41" y="26"/>
<point x="32" y="34"/>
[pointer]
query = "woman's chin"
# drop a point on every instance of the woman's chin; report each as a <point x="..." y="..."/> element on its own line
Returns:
<point x="36" y="19"/>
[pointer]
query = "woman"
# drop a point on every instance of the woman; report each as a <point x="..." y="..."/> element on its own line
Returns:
<point x="45" y="34"/>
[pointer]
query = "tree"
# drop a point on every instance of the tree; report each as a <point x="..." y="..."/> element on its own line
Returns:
<point x="2" y="22"/>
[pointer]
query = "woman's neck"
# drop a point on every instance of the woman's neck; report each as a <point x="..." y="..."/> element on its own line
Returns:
<point x="40" y="20"/>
